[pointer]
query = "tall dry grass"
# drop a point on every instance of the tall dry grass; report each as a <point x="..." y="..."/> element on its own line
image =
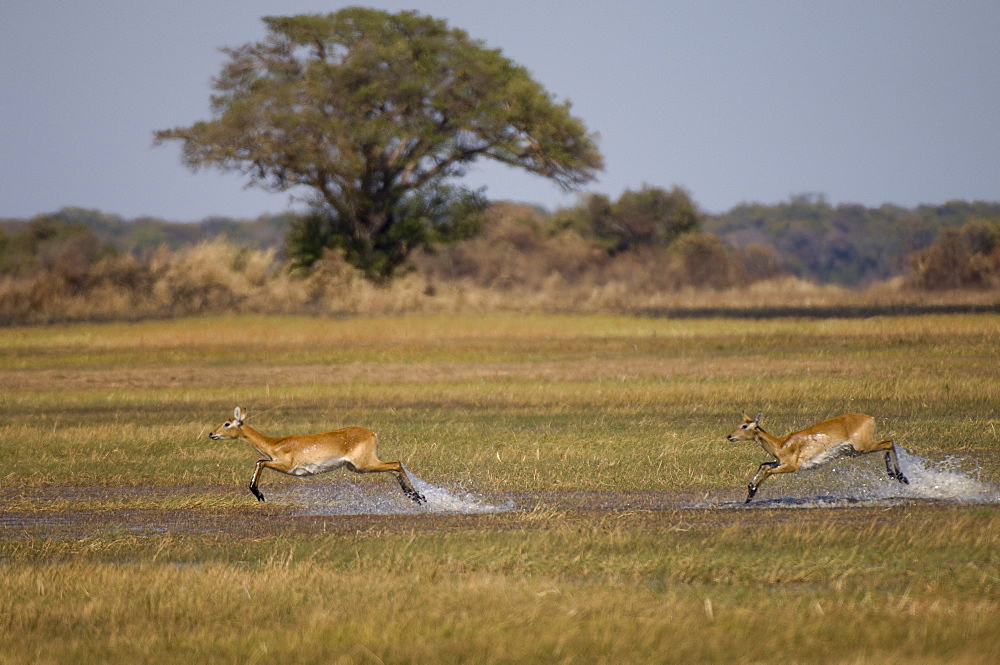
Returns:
<point x="514" y="266"/>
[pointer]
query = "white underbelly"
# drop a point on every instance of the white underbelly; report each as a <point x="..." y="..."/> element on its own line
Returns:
<point x="840" y="450"/>
<point x="313" y="468"/>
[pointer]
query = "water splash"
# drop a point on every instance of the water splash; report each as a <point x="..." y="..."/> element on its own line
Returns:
<point x="366" y="496"/>
<point x="863" y="481"/>
<point x="443" y="500"/>
<point x="947" y="479"/>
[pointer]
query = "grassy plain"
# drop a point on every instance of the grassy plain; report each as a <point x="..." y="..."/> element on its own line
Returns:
<point x="127" y="535"/>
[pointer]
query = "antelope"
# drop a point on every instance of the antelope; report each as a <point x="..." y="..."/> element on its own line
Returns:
<point x="310" y="454"/>
<point x="848" y="435"/>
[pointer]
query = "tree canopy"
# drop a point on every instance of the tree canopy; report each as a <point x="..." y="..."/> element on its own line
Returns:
<point x="375" y="115"/>
<point x="650" y="216"/>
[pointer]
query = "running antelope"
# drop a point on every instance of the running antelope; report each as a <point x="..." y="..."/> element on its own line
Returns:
<point x="310" y="454"/>
<point x="848" y="435"/>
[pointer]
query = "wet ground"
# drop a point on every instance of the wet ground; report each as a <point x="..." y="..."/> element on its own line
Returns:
<point x="304" y="509"/>
<point x="346" y="505"/>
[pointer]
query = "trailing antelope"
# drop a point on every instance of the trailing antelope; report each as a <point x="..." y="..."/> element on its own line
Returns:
<point x="848" y="435"/>
<point x="310" y="454"/>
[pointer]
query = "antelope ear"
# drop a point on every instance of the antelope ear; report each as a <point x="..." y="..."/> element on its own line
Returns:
<point x="238" y="416"/>
<point x="759" y="416"/>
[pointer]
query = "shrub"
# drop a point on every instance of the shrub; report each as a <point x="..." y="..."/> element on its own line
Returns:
<point x="651" y="216"/>
<point x="964" y="257"/>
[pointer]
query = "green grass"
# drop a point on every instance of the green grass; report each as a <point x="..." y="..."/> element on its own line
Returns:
<point x="127" y="535"/>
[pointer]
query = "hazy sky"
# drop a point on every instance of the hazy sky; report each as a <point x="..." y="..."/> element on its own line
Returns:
<point x="866" y="102"/>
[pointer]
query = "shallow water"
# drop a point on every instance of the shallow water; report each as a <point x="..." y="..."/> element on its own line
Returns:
<point x="350" y="496"/>
<point x="845" y="482"/>
<point x="854" y="481"/>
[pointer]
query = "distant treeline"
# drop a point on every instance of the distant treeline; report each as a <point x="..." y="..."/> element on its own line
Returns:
<point x="135" y="236"/>
<point x="653" y="236"/>
<point x="850" y="244"/>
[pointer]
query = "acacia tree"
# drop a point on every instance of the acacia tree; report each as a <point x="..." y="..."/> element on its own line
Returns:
<point x="375" y="115"/>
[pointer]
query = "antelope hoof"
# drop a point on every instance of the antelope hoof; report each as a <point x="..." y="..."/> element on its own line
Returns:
<point x="899" y="477"/>
<point x="257" y="493"/>
<point x="753" y="490"/>
<point x="417" y="497"/>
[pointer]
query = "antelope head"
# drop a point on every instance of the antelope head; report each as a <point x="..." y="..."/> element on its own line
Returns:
<point x="231" y="428"/>
<point x="747" y="431"/>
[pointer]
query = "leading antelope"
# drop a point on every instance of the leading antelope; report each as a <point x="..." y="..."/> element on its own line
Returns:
<point x="309" y="454"/>
<point x="848" y="435"/>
